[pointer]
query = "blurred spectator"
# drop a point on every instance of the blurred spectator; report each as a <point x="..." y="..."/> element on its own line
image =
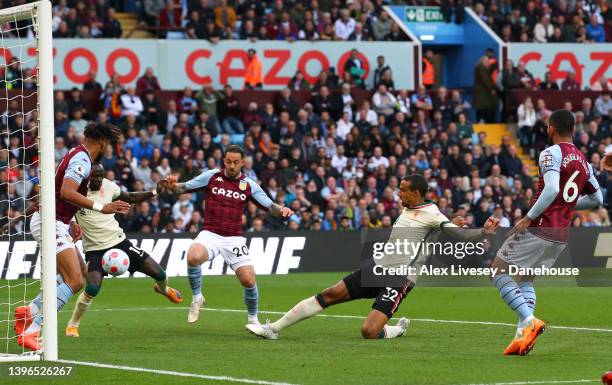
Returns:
<point x="429" y="72"/>
<point x="548" y="83"/>
<point x="526" y="120"/>
<point x="543" y="30"/>
<point x="231" y="112"/>
<point x="570" y="83"/>
<point x="485" y="95"/>
<point x="131" y="103"/>
<point x="602" y="84"/>
<point x="253" y="77"/>
<point x="603" y="105"/>
<point x="345" y="25"/>
<point x="381" y="68"/>
<point x="147" y="82"/>
<point x="225" y="16"/>
<point x="112" y="27"/>
<point x="356" y="69"/>
<point x="298" y="83"/>
<point x="381" y="27"/>
<point x="91" y="83"/>
<point x="152" y="11"/>
<point x="595" y="31"/>
<point x="384" y="102"/>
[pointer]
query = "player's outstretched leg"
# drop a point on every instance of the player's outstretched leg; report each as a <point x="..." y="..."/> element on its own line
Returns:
<point x="307" y="308"/>
<point x="246" y="276"/>
<point x="92" y="288"/>
<point x="196" y="256"/>
<point x="155" y="271"/>
<point x="375" y="326"/>
<point x="69" y="267"/>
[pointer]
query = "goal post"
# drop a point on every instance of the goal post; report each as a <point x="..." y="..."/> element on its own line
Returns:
<point x="30" y="26"/>
<point x="46" y="135"/>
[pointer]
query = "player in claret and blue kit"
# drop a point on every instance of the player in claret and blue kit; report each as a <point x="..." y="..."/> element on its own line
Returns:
<point x="228" y="192"/>
<point x="71" y="186"/>
<point x="566" y="183"/>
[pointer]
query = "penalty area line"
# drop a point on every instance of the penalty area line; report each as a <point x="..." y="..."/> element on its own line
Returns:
<point x="173" y="373"/>
<point x="464" y="322"/>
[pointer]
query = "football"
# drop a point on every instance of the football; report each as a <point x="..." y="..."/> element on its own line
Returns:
<point x="115" y="262"/>
<point x="607" y="378"/>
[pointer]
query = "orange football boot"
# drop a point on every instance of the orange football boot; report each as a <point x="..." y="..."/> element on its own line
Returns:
<point x="530" y="334"/>
<point x="23" y="320"/>
<point x="29" y="341"/>
<point x="172" y="294"/>
<point x="72" y="331"/>
<point x="513" y="348"/>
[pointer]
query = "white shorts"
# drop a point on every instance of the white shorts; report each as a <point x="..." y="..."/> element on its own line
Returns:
<point x="63" y="240"/>
<point x="233" y="249"/>
<point x="528" y="250"/>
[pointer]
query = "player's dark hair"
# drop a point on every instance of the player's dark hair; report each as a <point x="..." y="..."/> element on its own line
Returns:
<point x="235" y="149"/>
<point x="563" y="121"/>
<point x="102" y="131"/>
<point x="418" y="183"/>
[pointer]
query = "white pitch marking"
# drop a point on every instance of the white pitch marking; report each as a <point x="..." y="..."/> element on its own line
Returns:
<point x="576" y="328"/>
<point x="173" y="373"/>
<point x="539" y="382"/>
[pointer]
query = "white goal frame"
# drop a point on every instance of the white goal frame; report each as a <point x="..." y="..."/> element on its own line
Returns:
<point x="46" y="137"/>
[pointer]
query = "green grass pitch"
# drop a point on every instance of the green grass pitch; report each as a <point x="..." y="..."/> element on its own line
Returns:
<point x="130" y="325"/>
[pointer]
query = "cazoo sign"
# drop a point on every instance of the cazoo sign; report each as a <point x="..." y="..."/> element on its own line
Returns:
<point x="197" y="63"/>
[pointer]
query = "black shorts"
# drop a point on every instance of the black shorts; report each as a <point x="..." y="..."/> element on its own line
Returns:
<point x="387" y="299"/>
<point x="136" y="255"/>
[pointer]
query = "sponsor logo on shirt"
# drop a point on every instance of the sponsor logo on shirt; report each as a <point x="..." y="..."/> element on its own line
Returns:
<point x="229" y="193"/>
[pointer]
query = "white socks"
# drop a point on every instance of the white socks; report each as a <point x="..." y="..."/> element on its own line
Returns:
<point x="392" y="331"/>
<point x="81" y="306"/>
<point x="197" y="297"/>
<point x="305" y="309"/>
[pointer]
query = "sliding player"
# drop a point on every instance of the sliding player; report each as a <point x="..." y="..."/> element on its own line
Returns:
<point x="227" y="194"/>
<point x="418" y="214"/>
<point x="71" y="183"/>
<point x="540" y="237"/>
<point x="101" y="232"/>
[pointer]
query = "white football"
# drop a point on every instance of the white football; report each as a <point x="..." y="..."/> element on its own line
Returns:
<point x="115" y="262"/>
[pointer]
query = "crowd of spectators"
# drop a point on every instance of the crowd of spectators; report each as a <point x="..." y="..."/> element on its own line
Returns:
<point x="335" y="159"/>
<point x="356" y="20"/>
<point x="85" y="19"/>
<point x="563" y="21"/>
<point x="216" y="20"/>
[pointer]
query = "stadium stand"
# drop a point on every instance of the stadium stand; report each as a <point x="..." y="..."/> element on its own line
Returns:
<point x="333" y="151"/>
<point x="548" y="22"/>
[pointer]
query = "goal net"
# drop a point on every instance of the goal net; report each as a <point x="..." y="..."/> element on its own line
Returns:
<point x="26" y="175"/>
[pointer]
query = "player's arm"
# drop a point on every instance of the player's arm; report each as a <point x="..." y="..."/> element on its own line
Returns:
<point x="455" y="229"/>
<point x="548" y="195"/>
<point x="262" y="199"/>
<point x="550" y="163"/>
<point x="78" y="169"/>
<point x="197" y="183"/>
<point x="136" y="196"/>
<point x="594" y="198"/>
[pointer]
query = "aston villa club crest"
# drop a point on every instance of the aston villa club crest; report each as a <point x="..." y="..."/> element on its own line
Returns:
<point x="243" y="185"/>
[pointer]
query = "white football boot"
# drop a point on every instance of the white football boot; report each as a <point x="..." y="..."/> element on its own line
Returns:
<point x="263" y="331"/>
<point x="194" y="310"/>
